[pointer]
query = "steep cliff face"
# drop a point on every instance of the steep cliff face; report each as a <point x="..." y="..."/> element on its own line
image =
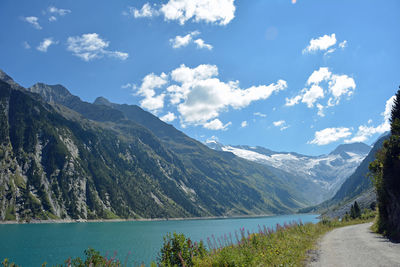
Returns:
<point x="61" y="157"/>
<point x="55" y="168"/>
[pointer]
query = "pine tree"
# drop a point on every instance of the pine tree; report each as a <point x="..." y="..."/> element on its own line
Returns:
<point x="395" y="115"/>
<point x="357" y="210"/>
<point x="386" y="172"/>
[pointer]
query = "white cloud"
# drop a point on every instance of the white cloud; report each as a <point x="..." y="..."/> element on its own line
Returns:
<point x="168" y="117"/>
<point x="336" y="86"/>
<point x="293" y="101"/>
<point x="205" y="96"/>
<point x="182" y="41"/>
<point x="147" y="11"/>
<point x="329" y="51"/>
<point x="34" y="21"/>
<point x="340" y="85"/>
<point x="216" y="124"/>
<point x="312" y="95"/>
<point x="26" y="45"/>
<point x="320" y="110"/>
<point x="210" y="11"/>
<point x="329" y="135"/>
<point x="149" y="83"/>
<point x="364" y="131"/>
<point x="321" y="43"/>
<point x="343" y="44"/>
<point x="323" y="74"/>
<point x="52" y="18"/>
<point x="244" y="124"/>
<point x="58" y="11"/>
<point x="201" y="44"/>
<point x="91" y="46"/>
<point x="260" y="114"/>
<point x="199" y="96"/>
<point x="281" y="124"/>
<point x="128" y="85"/>
<point x="45" y="44"/>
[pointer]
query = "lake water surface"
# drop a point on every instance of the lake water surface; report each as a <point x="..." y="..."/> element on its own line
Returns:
<point x="33" y="244"/>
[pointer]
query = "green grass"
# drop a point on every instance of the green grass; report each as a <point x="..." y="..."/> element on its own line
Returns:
<point x="287" y="246"/>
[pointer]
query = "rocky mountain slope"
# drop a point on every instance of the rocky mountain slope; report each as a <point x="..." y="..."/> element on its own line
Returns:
<point x="325" y="172"/>
<point x="357" y="187"/>
<point x="61" y="157"/>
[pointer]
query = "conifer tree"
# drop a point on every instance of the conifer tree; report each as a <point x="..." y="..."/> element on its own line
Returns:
<point x="386" y="172"/>
<point x="395" y="115"/>
<point x="357" y="210"/>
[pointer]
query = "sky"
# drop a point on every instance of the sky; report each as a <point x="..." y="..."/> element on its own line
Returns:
<point x="298" y="76"/>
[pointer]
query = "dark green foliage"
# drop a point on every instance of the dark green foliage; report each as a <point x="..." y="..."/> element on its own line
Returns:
<point x="355" y="211"/>
<point x="386" y="174"/>
<point x="178" y="250"/>
<point x="395" y="115"/>
<point x="93" y="258"/>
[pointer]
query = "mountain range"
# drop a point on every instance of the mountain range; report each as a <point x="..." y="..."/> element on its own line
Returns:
<point x="322" y="174"/>
<point x="64" y="158"/>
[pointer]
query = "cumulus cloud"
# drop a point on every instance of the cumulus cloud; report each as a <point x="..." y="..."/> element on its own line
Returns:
<point x="340" y="85"/>
<point x="147" y="11"/>
<point x="244" y="124"/>
<point x="312" y="95"/>
<point x="323" y="74"/>
<point x="321" y="43"/>
<point x="329" y="135"/>
<point x="365" y="131"/>
<point x="34" y="21"/>
<point x="168" y="117"/>
<point x="216" y="124"/>
<point x="210" y="11"/>
<point x="152" y="101"/>
<point x="91" y="46"/>
<point x="199" y="96"/>
<point x="336" y="87"/>
<point x="201" y="44"/>
<point x="45" y="44"/>
<point x="182" y="41"/>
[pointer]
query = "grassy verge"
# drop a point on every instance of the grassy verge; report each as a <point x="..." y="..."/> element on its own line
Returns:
<point x="287" y="246"/>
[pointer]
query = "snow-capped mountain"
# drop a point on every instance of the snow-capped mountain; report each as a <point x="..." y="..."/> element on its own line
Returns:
<point x="328" y="172"/>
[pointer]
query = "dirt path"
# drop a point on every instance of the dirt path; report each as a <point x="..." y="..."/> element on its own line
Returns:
<point x="356" y="245"/>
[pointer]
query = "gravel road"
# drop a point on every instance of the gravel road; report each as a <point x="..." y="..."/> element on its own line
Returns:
<point x="356" y="245"/>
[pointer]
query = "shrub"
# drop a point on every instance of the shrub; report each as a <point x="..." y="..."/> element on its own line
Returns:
<point x="178" y="250"/>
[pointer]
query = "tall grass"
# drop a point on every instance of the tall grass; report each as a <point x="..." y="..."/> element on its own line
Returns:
<point x="287" y="245"/>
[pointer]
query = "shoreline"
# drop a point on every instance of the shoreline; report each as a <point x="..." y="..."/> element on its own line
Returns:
<point x="51" y="221"/>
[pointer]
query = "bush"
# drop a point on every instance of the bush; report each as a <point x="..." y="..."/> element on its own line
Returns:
<point x="178" y="250"/>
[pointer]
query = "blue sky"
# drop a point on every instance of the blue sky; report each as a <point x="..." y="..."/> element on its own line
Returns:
<point x="299" y="76"/>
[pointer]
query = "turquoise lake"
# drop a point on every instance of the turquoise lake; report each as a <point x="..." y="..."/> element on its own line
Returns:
<point x="33" y="244"/>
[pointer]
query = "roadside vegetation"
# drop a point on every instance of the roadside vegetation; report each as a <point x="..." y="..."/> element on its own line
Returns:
<point x="385" y="173"/>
